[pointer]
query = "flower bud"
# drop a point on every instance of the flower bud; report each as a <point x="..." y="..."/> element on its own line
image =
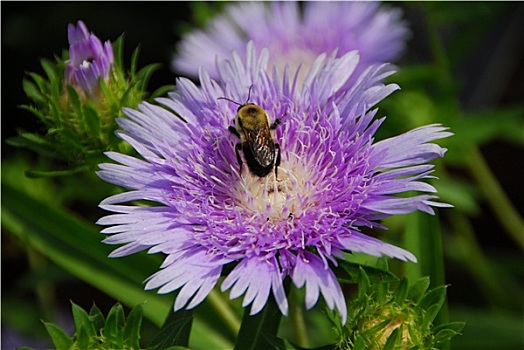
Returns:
<point x="89" y="60"/>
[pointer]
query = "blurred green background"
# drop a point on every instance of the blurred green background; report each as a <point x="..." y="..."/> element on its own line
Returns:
<point x="464" y="67"/>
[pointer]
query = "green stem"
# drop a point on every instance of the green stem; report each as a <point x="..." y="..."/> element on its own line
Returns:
<point x="296" y="316"/>
<point x="44" y="290"/>
<point x="230" y="319"/>
<point x="507" y="215"/>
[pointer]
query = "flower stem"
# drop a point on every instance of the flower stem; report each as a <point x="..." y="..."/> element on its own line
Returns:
<point x="230" y="319"/>
<point x="507" y="215"/>
<point x="296" y="316"/>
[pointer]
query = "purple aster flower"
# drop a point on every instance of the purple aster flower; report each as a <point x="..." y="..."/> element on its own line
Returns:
<point x="88" y="58"/>
<point x="296" y="37"/>
<point x="333" y="180"/>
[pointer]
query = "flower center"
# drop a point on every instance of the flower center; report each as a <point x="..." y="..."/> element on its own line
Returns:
<point x="274" y="198"/>
<point x="87" y="62"/>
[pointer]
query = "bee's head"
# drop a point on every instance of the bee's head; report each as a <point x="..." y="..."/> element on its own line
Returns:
<point x="251" y="111"/>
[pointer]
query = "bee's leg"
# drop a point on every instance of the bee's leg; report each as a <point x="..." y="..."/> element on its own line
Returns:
<point x="238" y="147"/>
<point x="234" y="131"/>
<point x="277" y="162"/>
<point x="275" y="124"/>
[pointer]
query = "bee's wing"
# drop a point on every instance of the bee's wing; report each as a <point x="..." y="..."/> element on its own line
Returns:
<point x="261" y="144"/>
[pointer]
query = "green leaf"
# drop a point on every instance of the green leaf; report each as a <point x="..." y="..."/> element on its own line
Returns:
<point x="145" y="73"/>
<point x="417" y="290"/>
<point x="82" y="338"/>
<point x="132" y="328"/>
<point x="431" y="303"/>
<point x="60" y="338"/>
<point x="364" y="285"/>
<point x="92" y="120"/>
<point x="255" y="330"/>
<point x="360" y="344"/>
<point x="36" y="112"/>
<point x="82" y="321"/>
<point x="74" y="100"/>
<point x="401" y="292"/>
<point x="161" y="91"/>
<point x="393" y="339"/>
<point x="444" y="333"/>
<point x="33" y="92"/>
<point x="433" y="297"/>
<point x="97" y="317"/>
<point x="175" y="331"/>
<point x="48" y="230"/>
<point x="113" y="329"/>
<point x="50" y="69"/>
<point x="34" y="142"/>
<point x="349" y="272"/>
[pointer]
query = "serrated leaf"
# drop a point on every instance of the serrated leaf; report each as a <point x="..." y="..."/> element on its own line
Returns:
<point x="35" y="112"/>
<point x="175" y="331"/>
<point x="125" y="100"/>
<point x="134" y="62"/>
<point x="429" y="315"/>
<point x="82" y="321"/>
<point x="401" y="292"/>
<point x="108" y="95"/>
<point x="417" y="290"/>
<point x="97" y="317"/>
<point x="49" y="68"/>
<point x="364" y="284"/>
<point x="161" y="91"/>
<point x="445" y="335"/>
<point x="118" y="49"/>
<point x="145" y="73"/>
<point x="454" y="326"/>
<point x="33" y="142"/>
<point x="435" y="296"/>
<point x="60" y="338"/>
<point x="132" y="328"/>
<point x="74" y="100"/>
<point x="92" y="120"/>
<point x="393" y="339"/>
<point x="360" y="344"/>
<point x="82" y="338"/>
<point x="349" y="272"/>
<point x="113" y="329"/>
<point x="39" y="81"/>
<point x="33" y="92"/>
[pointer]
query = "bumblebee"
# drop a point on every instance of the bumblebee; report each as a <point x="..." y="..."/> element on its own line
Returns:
<point x="253" y="128"/>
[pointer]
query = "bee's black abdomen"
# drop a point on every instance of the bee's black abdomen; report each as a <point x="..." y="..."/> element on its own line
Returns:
<point x="253" y="165"/>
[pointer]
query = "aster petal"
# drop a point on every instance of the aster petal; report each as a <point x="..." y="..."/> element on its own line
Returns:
<point x="194" y="272"/>
<point x="410" y="148"/>
<point x="311" y="272"/>
<point x="360" y="243"/>
<point x="256" y="276"/>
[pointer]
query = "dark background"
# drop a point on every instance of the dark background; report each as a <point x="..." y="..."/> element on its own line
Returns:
<point x="491" y="75"/>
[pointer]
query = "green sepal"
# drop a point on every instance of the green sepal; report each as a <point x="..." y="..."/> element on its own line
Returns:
<point x="83" y="321"/>
<point x="418" y="289"/>
<point x="115" y="320"/>
<point x="401" y="292"/>
<point x="393" y="339"/>
<point x="431" y="303"/>
<point x="60" y="338"/>
<point x="175" y="332"/>
<point x="33" y="92"/>
<point x="445" y="332"/>
<point x="132" y="328"/>
<point x="349" y="272"/>
<point x="97" y="318"/>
